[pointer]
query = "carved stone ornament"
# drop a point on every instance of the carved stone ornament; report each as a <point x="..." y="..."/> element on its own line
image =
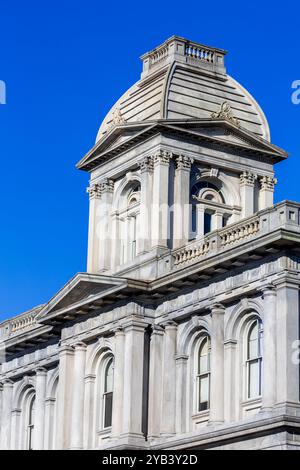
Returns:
<point x="248" y="178"/>
<point x="183" y="162"/>
<point x="268" y="183"/>
<point x="225" y="112"/>
<point x="117" y="119"/>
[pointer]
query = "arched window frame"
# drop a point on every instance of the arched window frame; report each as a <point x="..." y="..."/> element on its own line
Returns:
<point x="108" y="390"/>
<point x="202" y="374"/>
<point x="208" y="202"/>
<point x="129" y="214"/>
<point x="253" y="361"/>
<point x="30" y="420"/>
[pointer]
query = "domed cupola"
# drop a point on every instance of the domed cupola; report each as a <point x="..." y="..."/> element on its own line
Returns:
<point x="184" y="80"/>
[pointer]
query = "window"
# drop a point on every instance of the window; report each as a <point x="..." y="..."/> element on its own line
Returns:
<point x="203" y="375"/>
<point x="30" y="423"/>
<point x="207" y="222"/>
<point x="108" y="394"/>
<point x="254" y="360"/>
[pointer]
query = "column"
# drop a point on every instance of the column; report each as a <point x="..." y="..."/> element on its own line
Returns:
<point x="200" y="220"/>
<point x="78" y="396"/>
<point x="181" y="384"/>
<point x="104" y="227"/>
<point x="181" y="230"/>
<point x="93" y="236"/>
<point x="134" y="330"/>
<point x="155" y="381"/>
<point x="269" y="348"/>
<point x="64" y="397"/>
<point x="145" y="205"/>
<point x="230" y="351"/>
<point x="49" y="436"/>
<point x="118" y="382"/>
<point x="7" y="395"/>
<point x="217" y="221"/>
<point x="287" y="341"/>
<point x="217" y="364"/>
<point x="39" y="417"/>
<point x="247" y="181"/>
<point x="169" y="379"/>
<point x="160" y="207"/>
<point x="15" y="429"/>
<point x="266" y="193"/>
<point x="89" y="437"/>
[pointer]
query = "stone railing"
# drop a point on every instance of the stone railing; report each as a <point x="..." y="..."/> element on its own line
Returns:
<point x="19" y="324"/>
<point x="284" y="215"/>
<point x="184" y="51"/>
<point x="200" y="53"/>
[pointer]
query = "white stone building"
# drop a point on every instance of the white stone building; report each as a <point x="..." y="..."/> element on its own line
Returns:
<point x="183" y="333"/>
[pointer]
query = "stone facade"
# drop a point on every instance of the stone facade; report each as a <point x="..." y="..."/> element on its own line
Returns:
<point x="184" y="332"/>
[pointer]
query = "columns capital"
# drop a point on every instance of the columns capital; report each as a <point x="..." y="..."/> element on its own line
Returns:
<point x="268" y="290"/>
<point x="40" y="371"/>
<point x="267" y="183"/>
<point x="118" y="330"/>
<point x="184" y="162"/>
<point x="157" y="330"/>
<point x="66" y="349"/>
<point x="146" y="164"/>
<point x="162" y="157"/>
<point x="7" y="383"/>
<point x="79" y="346"/>
<point x="248" y="178"/>
<point x="170" y="325"/>
<point x="134" y="323"/>
<point x="106" y="186"/>
<point x="94" y="191"/>
<point x="217" y="309"/>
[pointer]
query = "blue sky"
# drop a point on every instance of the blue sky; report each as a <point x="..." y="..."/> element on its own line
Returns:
<point x="64" y="64"/>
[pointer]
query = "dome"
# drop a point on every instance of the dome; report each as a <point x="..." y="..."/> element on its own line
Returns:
<point x="183" y="80"/>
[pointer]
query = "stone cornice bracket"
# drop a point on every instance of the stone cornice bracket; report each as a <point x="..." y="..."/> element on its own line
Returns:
<point x="248" y="178"/>
<point x="162" y="157"/>
<point x="94" y="191"/>
<point x="147" y="164"/>
<point x="225" y="113"/>
<point x="157" y="330"/>
<point x="134" y="322"/>
<point x="169" y="324"/>
<point x="268" y="183"/>
<point x="40" y="370"/>
<point x="184" y="162"/>
<point x="79" y="345"/>
<point x="106" y="186"/>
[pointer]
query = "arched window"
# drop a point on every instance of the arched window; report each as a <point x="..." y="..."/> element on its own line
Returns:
<point x="30" y="422"/>
<point x="209" y="209"/>
<point x="129" y="217"/>
<point x="108" y="394"/>
<point x="203" y="374"/>
<point x="254" y="360"/>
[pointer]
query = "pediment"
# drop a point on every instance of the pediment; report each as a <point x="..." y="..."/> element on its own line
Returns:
<point x="83" y="293"/>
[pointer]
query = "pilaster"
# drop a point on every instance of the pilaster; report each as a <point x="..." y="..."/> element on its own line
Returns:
<point x="182" y="201"/>
<point x="247" y="182"/>
<point x="217" y="364"/>
<point x="78" y="396"/>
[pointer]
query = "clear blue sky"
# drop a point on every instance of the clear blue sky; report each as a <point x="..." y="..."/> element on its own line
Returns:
<point x="65" y="63"/>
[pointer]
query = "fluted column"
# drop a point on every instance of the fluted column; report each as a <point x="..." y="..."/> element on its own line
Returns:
<point x="155" y="380"/>
<point x="181" y="381"/>
<point x="287" y="341"/>
<point x="269" y="348"/>
<point x="266" y="193"/>
<point x="160" y="207"/>
<point x="78" y="396"/>
<point x="134" y="330"/>
<point x="7" y="396"/>
<point x="217" y="364"/>
<point x="145" y="204"/>
<point x="106" y="189"/>
<point x="64" y="397"/>
<point x="169" y="379"/>
<point x="181" y="228"/>
<point x="118" y="382"/>
<point x="40" y="396"/>
<point x="94" y="227"/>
<point x="247" y="182"/>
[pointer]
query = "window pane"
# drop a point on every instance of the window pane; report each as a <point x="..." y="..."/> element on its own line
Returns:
<point x="207" y="223"/>
<point x="108" y="410"/>
<point x="203" y="393"/>
<point x="253" y="346"/>
<point x="109" y="378"/>
<point x="254" y="379"/>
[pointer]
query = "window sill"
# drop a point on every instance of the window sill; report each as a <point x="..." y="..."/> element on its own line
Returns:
<point x="251" y="407"/>
<point x="106" y="432"/>
<point x="200" y="419"/>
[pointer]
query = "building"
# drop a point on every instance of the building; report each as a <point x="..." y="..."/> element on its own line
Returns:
<point x="183" y="333"/>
